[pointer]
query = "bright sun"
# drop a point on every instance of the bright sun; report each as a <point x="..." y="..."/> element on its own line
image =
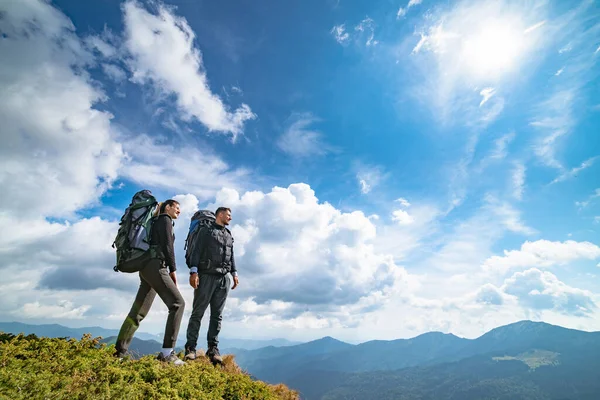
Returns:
<point x="493" y="49"/>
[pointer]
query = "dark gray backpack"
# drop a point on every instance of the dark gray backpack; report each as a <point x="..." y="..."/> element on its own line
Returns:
<point x="133" y="238"/>
<point x="201" y="218"/>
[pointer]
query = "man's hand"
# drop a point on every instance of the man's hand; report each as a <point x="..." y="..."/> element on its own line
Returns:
<point x="173" y="277"/>
<point x="236" y="282"/>
<point x="194" y="280"/>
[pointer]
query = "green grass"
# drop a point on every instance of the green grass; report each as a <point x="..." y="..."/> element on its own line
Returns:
<point x="54" y="368"/>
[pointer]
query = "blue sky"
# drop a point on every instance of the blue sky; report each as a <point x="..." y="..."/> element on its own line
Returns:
<point x="435" y="160"/>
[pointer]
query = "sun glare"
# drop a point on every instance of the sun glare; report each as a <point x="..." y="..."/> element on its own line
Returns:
<point x="492" y="50"/>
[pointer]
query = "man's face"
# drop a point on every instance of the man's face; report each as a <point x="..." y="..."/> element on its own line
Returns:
<point x="173" y="210"/>
<point x="224" y="217"/>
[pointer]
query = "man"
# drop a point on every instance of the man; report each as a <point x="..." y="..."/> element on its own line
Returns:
<point x="154" y="279"/>
<point x="210" y="264"/>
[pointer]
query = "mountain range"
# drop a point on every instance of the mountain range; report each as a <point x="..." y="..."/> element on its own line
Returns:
<point x="55" y="330"/>
<point x="524" y="360"/>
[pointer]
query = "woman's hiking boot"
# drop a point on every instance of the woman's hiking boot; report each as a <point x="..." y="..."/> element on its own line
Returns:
<point x="171" y="358"/>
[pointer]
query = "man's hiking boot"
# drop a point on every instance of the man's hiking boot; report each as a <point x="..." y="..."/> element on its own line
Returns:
<point x="190" y="354"/>
<point x="171" y="358"/>
<point x="214" y="356"/>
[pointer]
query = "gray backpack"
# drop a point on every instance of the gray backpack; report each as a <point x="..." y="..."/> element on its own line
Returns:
<point x="200" y="219"/>
<point x="133" y="238"/>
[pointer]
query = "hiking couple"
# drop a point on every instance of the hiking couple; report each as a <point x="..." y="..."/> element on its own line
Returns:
<point x="210" y="263"/>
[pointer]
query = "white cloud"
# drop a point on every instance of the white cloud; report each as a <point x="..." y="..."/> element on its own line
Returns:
<point x="534" y="27"/>
<point x="106" y="49"/>
<point x="113" y="72"/>
<point x="486" y="94"/>
<point x="340" y="34"/>
<point x="367" y="26"/>
<point x="286" y="239"/>
<point x="369" y="177"/>
<point x="48" y="117"/>
<point x="402" y="217"/>
<point x="558" y="114"/>
<point x="163" y="54"/>
<point x="574" y="171"/>
<point x="63" y="310"/>
<point x="541" y="290"/>
<point x="542" y="254"/>
<point x="364" y="31"/>
<point x="403" y="202"/>
<point x="500" y="150"/>
<point x="186" y="169"/>
<point x="518" y="180"/>
<point x="364" y="186"/>
<point x="300" y="140"/>
<point x="509" y="216"/>
<point x="585" y="203"/>
<point x="403" y="10"/>
<point x="490" y="295"/>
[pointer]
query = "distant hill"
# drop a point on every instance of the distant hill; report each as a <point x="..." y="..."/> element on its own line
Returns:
<point x="394" y="354"/>
<point x="535" y="375"/>
<point x="273" y="363"/>
<point x="504" y="356"/>
<point x="55" y="330"/>
<point x="252" y="344"/>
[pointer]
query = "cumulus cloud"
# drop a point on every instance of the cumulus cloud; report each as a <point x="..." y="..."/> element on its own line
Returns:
<point x="294" y="249"/>
<point x="541" y="290"/>
<point x="542" y="253"/>
<point x="163" y="54"/>
<point x="490" y="295"/>
<point x="402" y="217"/>
<point x="55" y="142"/>
<point x="67" y="256"/>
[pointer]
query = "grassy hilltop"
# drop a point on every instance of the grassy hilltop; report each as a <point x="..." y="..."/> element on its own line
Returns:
<point x="55" y="368"/>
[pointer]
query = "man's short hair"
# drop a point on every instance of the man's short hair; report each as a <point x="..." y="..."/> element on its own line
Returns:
<point x="166" y="203"/>
<point x="222" y="209"/>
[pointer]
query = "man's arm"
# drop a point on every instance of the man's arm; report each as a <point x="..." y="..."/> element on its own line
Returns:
<point x="236" y="280"/>
<point x="233" y="268"/>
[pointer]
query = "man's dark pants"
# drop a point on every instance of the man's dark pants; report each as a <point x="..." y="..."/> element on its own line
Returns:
<point x="212" y="290"/>
<point x="154" y="279"/>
